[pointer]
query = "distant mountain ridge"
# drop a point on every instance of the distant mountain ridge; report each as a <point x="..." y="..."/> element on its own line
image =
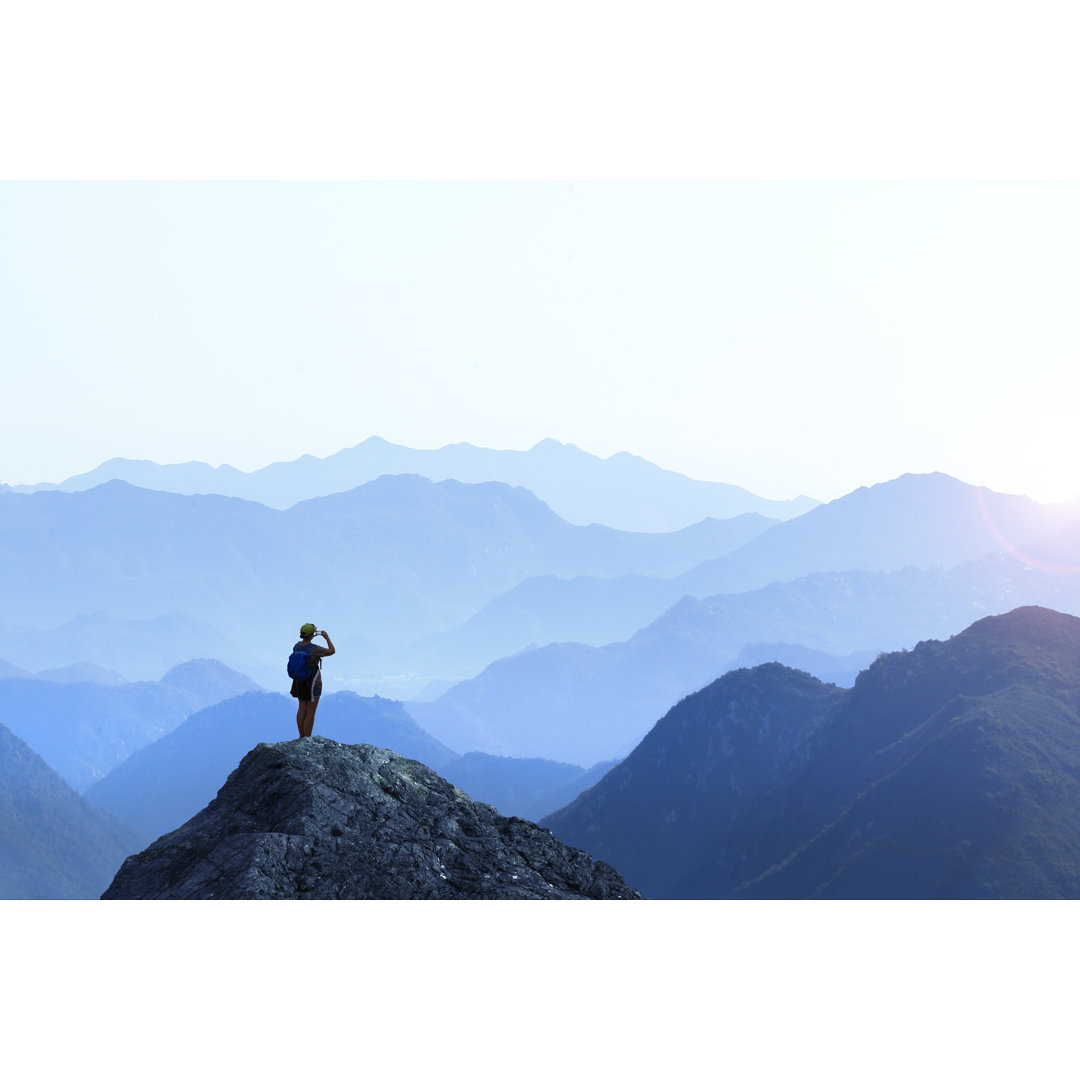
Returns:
<point x="623" y="491"/>
<point x="406" y="555"/>
<point x="929" y="521"/>
<point x="948" y="771"/>
<point x="85" y="729"/>
<point x="583" y="703"/>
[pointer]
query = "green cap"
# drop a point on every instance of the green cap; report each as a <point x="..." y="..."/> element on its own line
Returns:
<point x="307" y="629"/>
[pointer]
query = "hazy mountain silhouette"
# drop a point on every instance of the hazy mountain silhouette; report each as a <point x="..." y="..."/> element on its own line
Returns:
<point x="838" y="670"/>
<point x="145" y="648"/>
<point x="950" y="771"/>
<point x="521" y="787"/>
<point x="53" y="844"/>
<point x="623" y="491"/>
<point x="546" y="609"/>
<point x="409" y="556"/>
<point x="86" y="671"/>
<point x="84" y="729"/>
<point x="925" y="520"/>
<point x="931" y="521"/>
<point x="579" y="703"/>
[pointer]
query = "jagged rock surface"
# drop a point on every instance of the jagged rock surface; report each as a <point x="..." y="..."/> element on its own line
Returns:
<point x="316" y="819"/>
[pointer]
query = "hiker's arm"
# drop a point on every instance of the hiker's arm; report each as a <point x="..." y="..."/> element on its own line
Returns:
<point x="330" y="644"/>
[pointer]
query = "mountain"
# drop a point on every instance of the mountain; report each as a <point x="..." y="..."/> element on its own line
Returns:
<point x="950" y="771"/>
<point x="671" y="803"/>
<point x="930" y="521"/>
<point x="86" y="671"/>
<point x="208" y="681"/>
<point x="522" y="787"/>
<point x="579" y="703"/>
<point x="12" y="671"/>
<point x="163" y="784"/>
<point x="924" y="520"/>
<point x="839" y="670"/>
<point x="315" y="819"/>
<point x="145" y="648"/>
<point x="83" y="729"/>
<point x="623" y="491"/>
<point x="548" y="608"/>
<point x="53" y="844"/>
<point x="394" y="560"/>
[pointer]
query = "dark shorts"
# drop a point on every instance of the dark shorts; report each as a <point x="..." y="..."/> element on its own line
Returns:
<point x="308" y="689"/>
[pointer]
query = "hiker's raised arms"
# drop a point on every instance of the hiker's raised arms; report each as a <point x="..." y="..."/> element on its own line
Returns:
<point x="326" y="638"/>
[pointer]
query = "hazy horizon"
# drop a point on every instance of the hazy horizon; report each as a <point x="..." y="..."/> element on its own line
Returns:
<point x="465" y="442"/>
<point x="789" y="338"/>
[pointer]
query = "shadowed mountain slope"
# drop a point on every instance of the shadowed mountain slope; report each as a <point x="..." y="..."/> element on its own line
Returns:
<point x="951" y="771"/>
<point x="671" y="803"/>
<point x="315" y="819"/>
<point x="53" y="844"/>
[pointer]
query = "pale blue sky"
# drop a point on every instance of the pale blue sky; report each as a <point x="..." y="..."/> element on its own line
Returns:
<point x="787" y="337"/>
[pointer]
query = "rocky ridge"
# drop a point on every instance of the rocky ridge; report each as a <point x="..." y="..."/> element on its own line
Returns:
<point x="317" y="819"/>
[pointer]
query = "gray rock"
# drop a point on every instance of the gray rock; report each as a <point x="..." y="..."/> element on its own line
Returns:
<point x="316" y="819"/>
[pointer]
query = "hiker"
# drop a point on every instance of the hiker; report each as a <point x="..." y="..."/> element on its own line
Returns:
<point x="305" y="662"/>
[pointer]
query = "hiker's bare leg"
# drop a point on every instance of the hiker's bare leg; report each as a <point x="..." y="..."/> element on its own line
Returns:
<point x="307" y="720"/>
<point x="300" y="717"/>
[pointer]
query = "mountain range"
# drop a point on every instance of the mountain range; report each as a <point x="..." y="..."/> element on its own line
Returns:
<point x="582" y="704"/>
<point x="930" y="521"/>
<point x="948" y="771"/>
<point x="624" y="491"/>
<point x="85" y="729"/>
<point x="386" y="563"/>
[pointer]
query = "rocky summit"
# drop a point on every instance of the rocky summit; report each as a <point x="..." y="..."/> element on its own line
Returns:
<point x="317" y="819"/>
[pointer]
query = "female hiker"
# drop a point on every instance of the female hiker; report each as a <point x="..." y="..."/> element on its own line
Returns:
<point x="304" y="665"/>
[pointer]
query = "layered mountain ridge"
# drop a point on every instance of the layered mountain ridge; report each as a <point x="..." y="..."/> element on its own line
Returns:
<point x="624" y="491"/>
<point x="85" y="729"/>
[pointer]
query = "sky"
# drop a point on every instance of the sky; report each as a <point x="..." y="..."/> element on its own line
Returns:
<point x="789" y="337"/>
<point x="820" y="264"/>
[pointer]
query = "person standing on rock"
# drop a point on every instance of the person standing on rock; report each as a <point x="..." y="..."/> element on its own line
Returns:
<point x="304" y="666"/>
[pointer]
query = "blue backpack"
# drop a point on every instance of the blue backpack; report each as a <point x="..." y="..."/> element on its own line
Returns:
<point x="300" y="665"/>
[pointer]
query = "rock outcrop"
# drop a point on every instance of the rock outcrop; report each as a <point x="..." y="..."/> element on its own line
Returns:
<point x="317" y="819"/>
